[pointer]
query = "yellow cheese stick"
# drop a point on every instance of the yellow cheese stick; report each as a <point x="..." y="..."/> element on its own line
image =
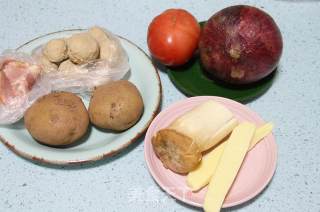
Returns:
<point x="260" y="133"/>
<point x="230" y="162"/>
<point x="201" y="176"/>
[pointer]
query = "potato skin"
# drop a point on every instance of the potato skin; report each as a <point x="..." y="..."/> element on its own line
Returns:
<point x="57" y="119"/>
<point x="116" y="105"/>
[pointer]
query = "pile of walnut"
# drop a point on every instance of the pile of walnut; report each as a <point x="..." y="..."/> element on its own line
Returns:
<point x="66" y="54"/>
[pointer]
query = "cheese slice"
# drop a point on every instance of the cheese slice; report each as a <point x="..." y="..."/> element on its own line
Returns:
<point x="260" y="133"/>
<point x="201" y="176"/>
<point x="230" y="162"/>
<point x="207" y="124"/>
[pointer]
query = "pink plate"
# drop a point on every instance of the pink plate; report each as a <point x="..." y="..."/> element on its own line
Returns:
<point x="255" y="173"/>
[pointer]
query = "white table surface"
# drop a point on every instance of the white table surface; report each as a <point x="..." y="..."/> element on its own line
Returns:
<point x="123" y="183"/>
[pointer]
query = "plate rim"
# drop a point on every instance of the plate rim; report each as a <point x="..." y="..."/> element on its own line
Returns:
<point x="136" y="136"/>
<point x="189" y="202"/>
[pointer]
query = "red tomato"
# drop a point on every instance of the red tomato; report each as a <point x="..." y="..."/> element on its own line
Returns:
<point x="173" y="37"/>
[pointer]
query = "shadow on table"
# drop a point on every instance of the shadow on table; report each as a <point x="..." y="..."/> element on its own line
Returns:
<point x="159" y="65"/>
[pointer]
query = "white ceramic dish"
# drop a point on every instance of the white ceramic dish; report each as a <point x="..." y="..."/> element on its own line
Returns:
<point x="96" y="144"/>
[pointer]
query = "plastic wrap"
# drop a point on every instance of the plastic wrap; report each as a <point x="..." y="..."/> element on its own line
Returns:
<point x="83" y="78"/>
<point x="19" y="93"/>
<point x="19" y="90"/>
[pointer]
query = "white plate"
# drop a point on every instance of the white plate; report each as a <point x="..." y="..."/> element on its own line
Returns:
<point x="96" y="144"/>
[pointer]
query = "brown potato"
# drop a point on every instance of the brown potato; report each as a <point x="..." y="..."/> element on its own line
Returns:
<point x="57" y="119"/>
<point x="116" y="105"/>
